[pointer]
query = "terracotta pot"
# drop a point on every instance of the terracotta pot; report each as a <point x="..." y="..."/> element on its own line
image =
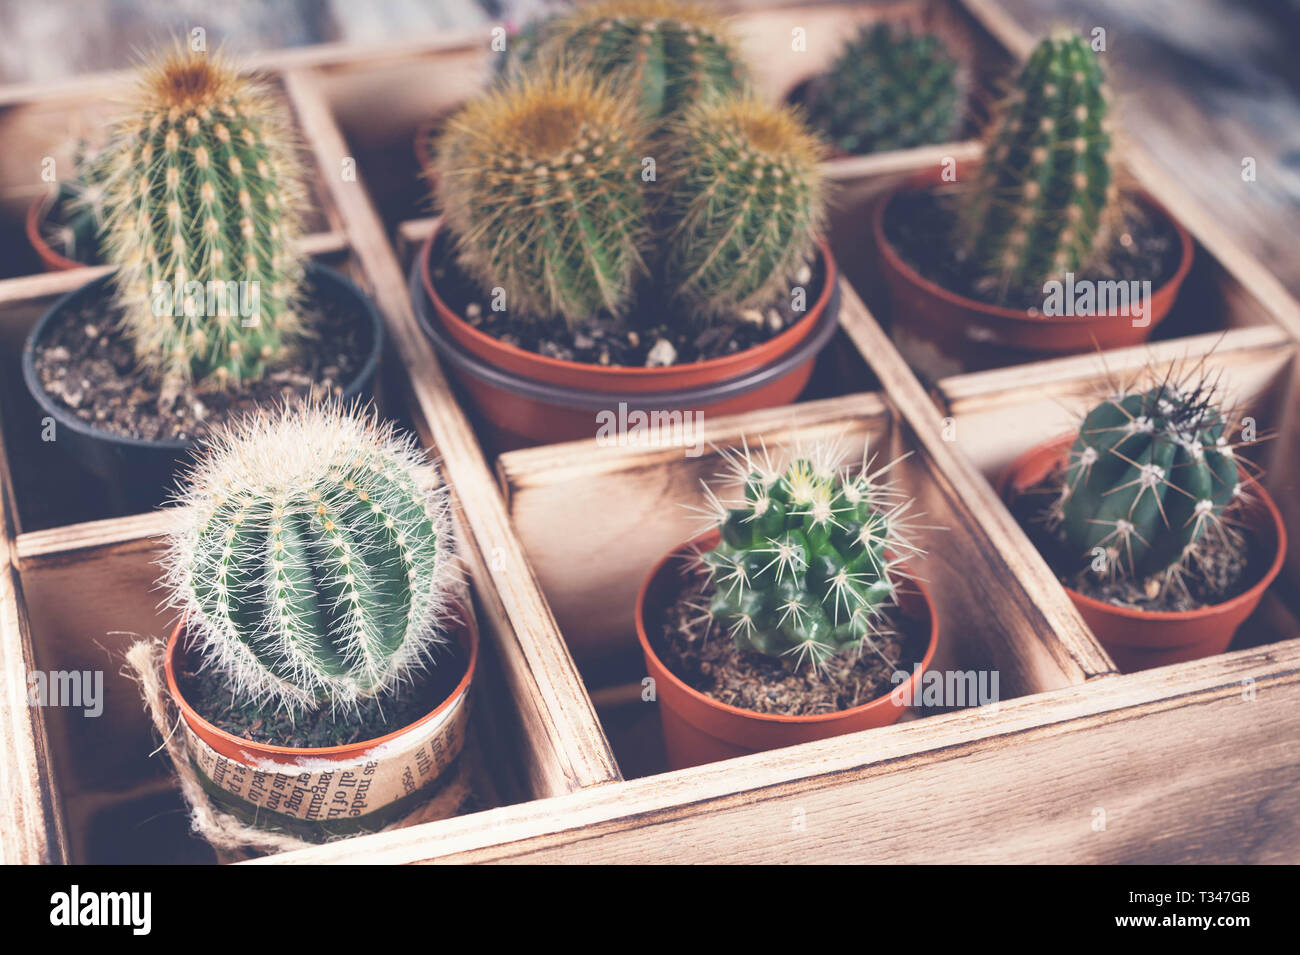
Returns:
<point x="527" y="398"/>
<point x="699" y="729"/>
<point x="399" y="768"/>
<point x="1141" y="639"/>
<point x="53" y="261"/>
<point x="941" y="332"/>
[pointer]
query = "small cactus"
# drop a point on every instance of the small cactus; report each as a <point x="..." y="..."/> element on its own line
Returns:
<point x="539" y="181"/>
<point x="671" y="53"/>
<point x="1150" y="472"/>
<point x="808" y="558"/>
<point x="743" y="205"/>
<point x="311" y="561"/>
<point x="888" y="89"/>
<point x="203" y="187"/>
<point x="80" y="205"/>
<point x="1045" y="198"/>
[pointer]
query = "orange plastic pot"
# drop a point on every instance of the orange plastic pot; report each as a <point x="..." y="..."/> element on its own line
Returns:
<point x="53" y="261"/>
<point x="939" y="329"/>
<point x="1142" y="639"/>
<point x="698" y="729"/>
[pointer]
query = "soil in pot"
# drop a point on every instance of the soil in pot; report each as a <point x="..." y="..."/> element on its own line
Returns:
<point x="639" y="339"/>
<point x="699" y="652"/>
<point x="1222" y="572"/>
<point x="86" y="363"/>
<point x="920" y="224"/>
<point x="210" y="694"/>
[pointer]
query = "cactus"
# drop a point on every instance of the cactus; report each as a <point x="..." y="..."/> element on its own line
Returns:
<point x="203" y="187"/>
<point x="312" y="564"/>
<point x="77" y="217"/>
<point x="1150" y="473"/>
<point x="743" y="204"/>
<point x="539" y="181"/>
<point x="808" y="558"/>
<point x="1045" y="199"/>
<point x="672" y="53"/>
<point x="889" y="89"/>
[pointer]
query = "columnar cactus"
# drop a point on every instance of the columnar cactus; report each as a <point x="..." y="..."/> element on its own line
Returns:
<point x="203" y="187"/>
<point x="1149" y="474"/>
<point x="311" y="561"/>
<point x="888" y="89"/>
<point x="1045" y="196"/>
<point x="743" y="204"/>
<point x="808" y="559"/>
<point x="672" y="53"/>
<point x="539" y="181"/>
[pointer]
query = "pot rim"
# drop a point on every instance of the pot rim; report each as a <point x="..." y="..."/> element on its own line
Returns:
<point x="1262" y="502"/>
<point x="36" y="213"/>
<point x="616" y="373"/>
<point x="463" y="627"/>
<point x="774" y="718"/>
<point x="921" y="181"/>
<point x="67" y="419"/>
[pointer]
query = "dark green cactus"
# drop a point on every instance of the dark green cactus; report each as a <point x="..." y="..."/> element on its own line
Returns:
<point x="808" y="558"/>
<point x="743" y="205"/>
<point x="310" y="560"/>
<point x="1045" y="199"/>
<point x="203" y="188"/>
<point x="1149" y="474"/>
<point x="889" y="89"/>
<point x="76" y="220"/>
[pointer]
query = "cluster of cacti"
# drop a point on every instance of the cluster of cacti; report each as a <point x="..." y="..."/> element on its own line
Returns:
<point x="1150" y="472"/>
<point x="80" y="204"/>
<point x="1045" y="197"/>
<point x="889" y="89"/>
<point x="808" y="559"/>
<point x="310" y="558"/>
<point x="203" y="188"/>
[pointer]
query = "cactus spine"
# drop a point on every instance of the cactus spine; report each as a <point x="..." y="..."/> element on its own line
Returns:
<point x="1045" y="198"/>
<point x="808" y="557"/>
<point x="540" y="182"/>
<point x="203" y="187"/>
<point x="743" y="204"/>
<point x="889" y="89"/>
<point x="311" y="562"/>
<point x="1150" y="473"/>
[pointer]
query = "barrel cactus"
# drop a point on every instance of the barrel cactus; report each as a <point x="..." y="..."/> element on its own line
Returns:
<point x="671" y="53"/>
<point x="1045" y="197"/>
<point x="743" y="204"/>
<point x="888" y="89"/>
<point x="1150" y="473"/>
<point x="808" y="557"/>
<point x="203" y="187"/>
<point x="310" y="559"/>
<point x="539" y="181"/>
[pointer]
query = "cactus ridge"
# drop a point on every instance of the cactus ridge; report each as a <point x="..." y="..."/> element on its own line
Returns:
<point x="312" y="563"/>
<point x="743" y="204"/>
<point x="203" y="186"/>
<point x="1045" y="199"/>
<point x="810" y="555"/>
<point x="889" y="89"/>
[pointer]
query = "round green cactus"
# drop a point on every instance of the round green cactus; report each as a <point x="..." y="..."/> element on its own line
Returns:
<point x="1045" y="196"/>
<point x="203" y="188"/>
<point x="889" y="89"/>
<point x="1149" y="473"/>
<point x="743" y="205"/>
<point x="539" y="181"/>
<point x="808" y="559"/>
<point x="311" y="561"/>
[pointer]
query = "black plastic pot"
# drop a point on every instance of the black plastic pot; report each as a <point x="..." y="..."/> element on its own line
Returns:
<point x="139" y="473"/>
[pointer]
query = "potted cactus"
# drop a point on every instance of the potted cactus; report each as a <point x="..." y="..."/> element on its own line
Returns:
<point x="987" y="272"/>
<point x="321" y="642"/>
<point x="64" y="226"/>
<point x="1163" y="539"/>
<point x="211" y="310"/>
<point x="890" y="88"/>
<point x="793" y="619"/>
<point x="584" y="259"/>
